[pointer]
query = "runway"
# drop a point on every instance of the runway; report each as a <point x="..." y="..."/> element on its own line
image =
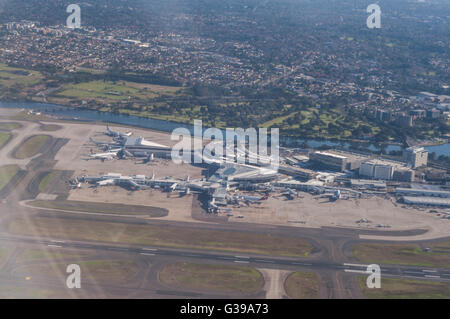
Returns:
<point x="395" y="271"/>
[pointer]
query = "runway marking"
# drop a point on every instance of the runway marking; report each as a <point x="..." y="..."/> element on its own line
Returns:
<point x="356" y="265"/>
<point x="147" y="254"/>
<point x="413" y="272"/>
<point x="151" y="249"/>
<point x="264" y="261"/>
<point x="429" y="270"/>
<point x="54" y="246"/>
<point x="432" y="276"/>
<point x="118" y="249"/>
<point x="302" y="264"/>
<point x="58" y="241"/>
<point x="415" y="277"/>
<point x="356" y="271"/>
<point x="241" y="261"/>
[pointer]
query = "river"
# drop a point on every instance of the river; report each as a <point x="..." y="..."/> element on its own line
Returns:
<point x="64" y="112"/>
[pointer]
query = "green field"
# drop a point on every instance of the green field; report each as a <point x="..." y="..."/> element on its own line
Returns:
<point x="167" y="236"/>
<point x="318" y="123"/>
<point x="302" y="285"/>
<point x="13" y="77"/>
<point x="31" y="146"/>
<point x="93" y="207"/>
<point x="92" y="270"/>
<point x="212" y="277"/>
<point x="406" y="289"/>
<point x="45" y="181"/>
<point x="9" y="126"/>
<point x="50" y="127"/>
<point x="110" y="91"/>
<point x="39" y="254"/>
<point x="7" y="173"/>
<point x="8" y="291"/>
<point x="3" y="253"/>
<point x="404" y="254"/>
<point x="4" y="137"/>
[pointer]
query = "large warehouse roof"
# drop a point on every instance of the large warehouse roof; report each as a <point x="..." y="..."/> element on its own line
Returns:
<point x="431" y="201"/>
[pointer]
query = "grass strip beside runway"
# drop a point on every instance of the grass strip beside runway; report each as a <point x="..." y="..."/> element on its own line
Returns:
<point x="6" y="174"/>
<point x="302" y="285"/>
<point x="31" y="146"/>
<point x="404" y="254"/>
<point x="406" y="289"/>
<point x="101" y="208"/>
<point x="166" y="235"/>
<point x="211" y="277"/>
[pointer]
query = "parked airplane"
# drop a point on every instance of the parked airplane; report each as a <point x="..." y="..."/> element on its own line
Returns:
<point x="148" y="159"/>
<point x="117" y="134"/>
<point x="290" y="194"/>
<point x="251" y="199"/>
<point x="337" y="195"/>
<point x="104" y="144"/>
<point x="105" y="156"/>
<point x="106" y="182"/>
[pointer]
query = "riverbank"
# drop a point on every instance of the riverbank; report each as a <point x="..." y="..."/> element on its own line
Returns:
<point x="70" y="114"/>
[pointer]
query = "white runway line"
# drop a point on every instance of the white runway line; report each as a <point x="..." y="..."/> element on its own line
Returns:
<point x="264" y="261"/>
<point x="241" y="261"/>
<point x="356" y="271"/>
<point x="356" y="265"/>
<point x="302" y="264"/>
<point x="54" y="246"/>
<point x="147" y="254"/>
<point x="415" y="277"/>
<point x="413" y="272"/>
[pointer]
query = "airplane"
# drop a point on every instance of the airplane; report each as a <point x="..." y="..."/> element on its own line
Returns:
<point x="290" y="194"/>
<point x="105" y="145"/>
<point x="170" y="188"/>
<point x="148" y="159"/>
<point x="184" y="192"/>
<point x="173" y="187"/>
<point x="225" y="210"/>
<point x="104" y="156"/>
<point x="337" y="195"/>
<point x="117" y="134"/>
<point x="106" y="182"/>
<point x="334" y="197"/>
<point x="213" y="208"/>
<point x="251" y="199"/>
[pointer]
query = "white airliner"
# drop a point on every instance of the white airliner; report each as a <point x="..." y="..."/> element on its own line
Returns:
<point x="252" y="199"/>
<point x="117" y="134"/>
<point x="105" y="156"/>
